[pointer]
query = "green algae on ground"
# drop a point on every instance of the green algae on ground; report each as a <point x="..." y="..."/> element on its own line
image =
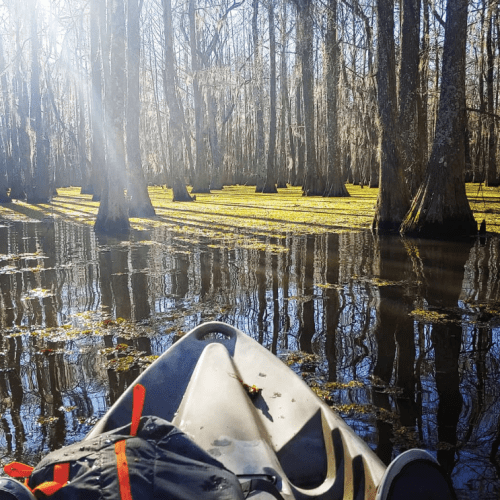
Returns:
<point x="215" y="214"/>
<point x="485" y="205"/>
<point x="237" y="210"/>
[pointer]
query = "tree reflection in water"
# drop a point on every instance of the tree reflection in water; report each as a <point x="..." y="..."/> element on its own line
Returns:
<point x="415" y="323"/>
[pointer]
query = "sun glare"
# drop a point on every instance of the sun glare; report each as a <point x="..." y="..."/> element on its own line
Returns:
<point x="44" y="5"/>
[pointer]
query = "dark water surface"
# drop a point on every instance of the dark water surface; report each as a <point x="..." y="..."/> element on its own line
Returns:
<point x="416" y="324"/>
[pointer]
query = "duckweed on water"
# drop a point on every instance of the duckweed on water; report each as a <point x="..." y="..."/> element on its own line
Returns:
<point x="133" y="359"/>
<point x="330" y="392"/>
<point x="47" y="420"/>
<point x="349" y="385"/>
<point x="67" y="409"/>
<point x="121" y="357"/>
<point x="425" y="316"/>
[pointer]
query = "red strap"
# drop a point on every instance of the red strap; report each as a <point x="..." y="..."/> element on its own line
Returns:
<point x="139" y="394"/>
<point x="61" y="473"/>
<point x="48" y="487"/>
<point x="122" y="468"/>
<point x="61" y="477"/>
<point x="18" y="469"/>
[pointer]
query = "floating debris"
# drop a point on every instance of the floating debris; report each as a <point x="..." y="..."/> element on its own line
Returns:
<point x="427" y="316"/>
<point x="47" y="420"/>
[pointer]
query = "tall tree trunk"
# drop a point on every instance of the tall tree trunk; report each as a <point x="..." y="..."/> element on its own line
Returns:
<point x="270" y="185"/>
<point x="22" y="160"/>
<point x="284" y="170"/>
<point x="112" y="218"/>
<point x="104" y="17"/>
<point x="38" y="191"/>
<point x="137" y="189"/>
<point x="213" y="139"/>
<point x="97" y="148"/>
<point x="409" y="147"/>
<point x="393" y="198"/>
<point x="180" y="192"/>
<point x="292" y="170"/>
<point x="437" y="78"/>
<point x="4" y="185"/>
<point x="298" y="175"/>
<point x="5" y="133"/>
<point x="423" y="96"/>
<point x="83" y="164"/>
<point x="260" y="165"/>
<point x="314" y="183"/>
<point x="480" y="150"/>
<point x="334" y="184"/>
<point x="162" y="168"/>
<point x="201" y="182"/>
<point x="441" y="208"/>
<point x="491" y="178"/>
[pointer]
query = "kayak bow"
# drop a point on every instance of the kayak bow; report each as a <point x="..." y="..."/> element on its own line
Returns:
<point x="240" y="403"/>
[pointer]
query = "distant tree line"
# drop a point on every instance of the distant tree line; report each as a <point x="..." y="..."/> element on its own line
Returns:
<point x="114" y="95"/>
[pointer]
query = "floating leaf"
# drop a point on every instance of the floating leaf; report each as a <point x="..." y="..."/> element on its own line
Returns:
<point x="47" y="420"/>
<point x="445" y="446"/>
<point x="147" y="360"/>
<point x="67" y="408"/>
<point x="329" y="286"/>
<point x="8" y="270"/>
<point x="40" y="293"/>
<point x="252" y="390"/>
<point x="349" y="385"/>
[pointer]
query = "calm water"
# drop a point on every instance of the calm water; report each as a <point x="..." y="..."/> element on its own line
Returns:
<point x="417" y="324"/>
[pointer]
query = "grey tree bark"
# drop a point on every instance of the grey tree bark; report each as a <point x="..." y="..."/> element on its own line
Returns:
<point x="491" y="178"/>
<point x="97" y="145"/>
<point x="21" y="142"/>
<point x="441" y="208"/>
<point x="260" y="161"/>
<point x="314" y="183"/>
<point x="137" y="189"/>
<point x="283" y="171"/>
<point x="213" y="138"/>
<point x="201" y="181"/>
<point x="180" y="192"/>
<point x="297" y="176"/>
<point x="423" y="95"/>
<point x="393" y="199"/>
<point x="334" y="185"/>
<point x="271" y="177"/>
<point x="409" y="147"/>
<point x="38" y="188"/>
<point x="84" y="164"/>
<point x="4" y="184"/>
<point x="112" y="217"/>
<point x="5" y="133"/>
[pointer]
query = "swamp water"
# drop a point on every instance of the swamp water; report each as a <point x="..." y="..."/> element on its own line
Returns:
<point x="400" y="336"/>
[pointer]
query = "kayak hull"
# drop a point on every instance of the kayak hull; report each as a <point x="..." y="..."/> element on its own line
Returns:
<point x="247" y="409"/>
<point x="201" y="385"/>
